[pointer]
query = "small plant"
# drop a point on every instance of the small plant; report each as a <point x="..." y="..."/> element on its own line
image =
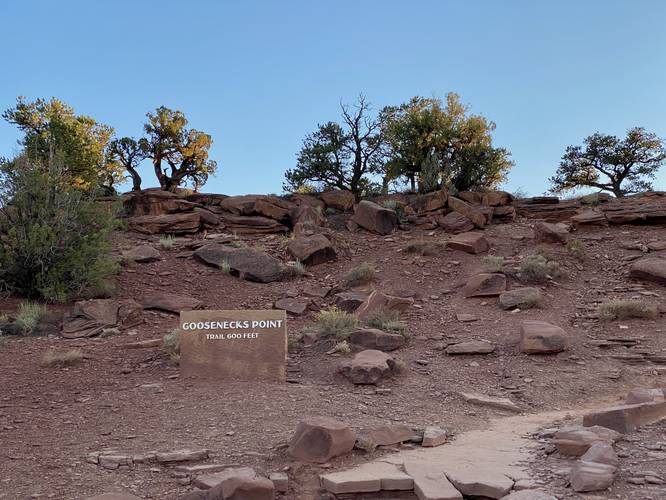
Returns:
<point x="61" y="358"/>
<point x="29" y="316"/>
<point x="334" y="322"/>
<point x="536" y="269"/>
<point x="387" y="321"/>
<point x="341" y="347"/>
<point x="293" y="270"/>
<point x="624" y="309"/>
<point x="424" y="247"/>
<point x="167" y="241"/>
<point x="576" y="248"/>
<point x="330" y="211"/>
<point x="225" y="267"/>
<point x="171" y="344"/>
<point x="493" y="263"/>
<point x="396" y="206"/>
<point x="360" y="275"/>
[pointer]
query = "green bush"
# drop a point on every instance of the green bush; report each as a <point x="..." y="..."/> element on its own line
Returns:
<point x="625" y="309"/>
<point x="171" y="344"/>
<point x="386" y="321"/>
<point x="55" y="238"/>
<point x="335" y="323"/>
<point x="537" y="268"/>
<point x="29" y="316"/>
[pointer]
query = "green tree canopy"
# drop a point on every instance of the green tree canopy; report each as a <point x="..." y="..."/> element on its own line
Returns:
<point x="340" y="156"/>
<point x="605" y="162"/>
<point x="178" y="154"/>
<point x="81" y="142"/>
<point x="127" y="153"/>
<point x="424" y="130"/>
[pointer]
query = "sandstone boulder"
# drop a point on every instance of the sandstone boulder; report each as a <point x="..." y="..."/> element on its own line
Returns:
<point x="473" y="243"/>
<point x="245" y="263"/>
<point x="649" y="269"/>
<point x="177" y="223"/>
<point x="372" y="338"/>
<point x="142" y="254"/>
<point x="378" y="301"/>
<point x="485" y="285"/>
<point x="312" y="250"/>
<point x="601" y="453"/>
<point x="529" y="495"/>
<point x="473" y="197"/>
<point x="455" y="223"/>
<point x="521" y="298"/>
<point x="433" y="436"/>
<point x="294" y="305"/>
<point x="496" y="198"/>
<point x="626" y="418"/>
<point x="155" y="202"/>
<point x="471" y="347"/>
<point x="88" y="318"/>
<point x="429" y="202"/>
<point x="590" y="476"/>
<point x="504" y="214"/>
<point x="170" y="302"/>
<point x="574" y="441"/>
<point x="350" y="301"/>
<point x="545" y="232"/>
<point x="539" y="337"/>
<point x="339" y="199"/>
<point x="644" y="395"/>
<point x="480" y="483"/>
<point x="383" y="435"/>
<point x="375" y="218"/>
<point x="368" y="367"/>
<point x="472" y="213"/>
<point x="252" y="224"/>
<point x="319" y="439"/>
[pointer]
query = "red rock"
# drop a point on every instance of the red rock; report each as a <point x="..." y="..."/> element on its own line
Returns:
<point x="142" y="254"/>
<point x="372" y="338"/>
<point x="539" y="337"/>
<point x="496" y="198"/>
<point x="601" y="453"/>
<point x="472" y="197"/>
<point x="378" y="301"/>
<point x="484" y="285"/>
<point x="472" y="213"/>
<point x="295" y="306"/>
<point x="649" y="269"/>
<point x="455" y="223"/>
<point x="170" y="302"/>
<point x="88" y="318"/>
<point x="155" y="202"/>
<point x="589" y="476"/>
<point x="319" y="439"/>
<point x="178" y="223"/>
<point x="429" y="202"/>
<point x="339" y="200"/>
<point x="246" y="263"/>
<point x="368" y="367"/>
<point x="644" y="395"/>
<point x="375" y="218"/>
<point x="241" y="224"/>
<point x="473" y="243"/>
<point x="626" y="418"/>
<point x="350" y="301"/>
<point x="383" y="435"/>
<point x="546" y="232"/>
<point x="504" y="214"/>
<point x="574" y="441"/>
<point x="312" y="250"/>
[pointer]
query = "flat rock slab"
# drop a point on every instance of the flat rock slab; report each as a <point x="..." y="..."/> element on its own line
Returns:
<point x="473" y="243"/>
<point x="182" y="456"/>
<point x="296" y="306"/>
<point x="372" y="338"/>
<point x="245" y="263"/>
<point x="383" y="435"/>
<point x="574" y="441"/>
<point x="589" y="476"/>
<point x="529" y="495"/>
<point x="430" y="482"/>
<point x="478" y="482"/>
<point x="521" y="298"/>
<point x="539" y="337"/>
<point x="483" y="400"/>
<point x="471" y="347"/>
<point x="485" y="285"/>
<point x="208" y="481"/>
<point x="318" y="439"/>
<point x="170" y="302"/>
<point x="626" y="418"/>
<point x="142" y="254"/>
<point x="649" y="269"/>
<point x="367" y="478"/>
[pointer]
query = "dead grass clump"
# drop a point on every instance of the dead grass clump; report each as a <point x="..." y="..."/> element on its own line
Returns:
<point x="493" y="263"/>
<point x="532" y="300"/>
<point x="335" y="323"/>
<point x="624" y="309"/>
<point x="576" y="248"/>
<point x="362" y="274"/>
<point x="61" y="358"/>
<point x="293" y="270"/>
<point x="167" y="241"/>
<point x="537" y="269"/>
<point x="171" y="344"/>
<point x="29" y="316"/>
<point x="424" y="247"/>
<point x="386" y="321"/>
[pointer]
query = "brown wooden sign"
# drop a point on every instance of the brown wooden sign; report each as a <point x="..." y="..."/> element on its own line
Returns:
<point x="234" y="345"/>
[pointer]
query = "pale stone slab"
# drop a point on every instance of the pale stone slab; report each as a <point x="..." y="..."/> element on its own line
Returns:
<point x="480" y="482"/>
<point x="430" y="483"/>
<point x="367" y="478"/>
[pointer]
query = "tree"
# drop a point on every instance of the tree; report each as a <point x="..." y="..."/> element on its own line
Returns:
<point x="340" y="156"/>
<point x="611" y="164"/>
<point x="81" y="141"/>
<point x="424" y="130"/>
<point x="127" y="153"/>
<point x="178" y="154"/>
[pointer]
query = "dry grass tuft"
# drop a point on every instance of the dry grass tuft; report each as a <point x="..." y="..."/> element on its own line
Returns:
<point x="624" y="309"/>
<point x="537" y="269"/>
<point x="167" y="241"/>
<point x="293" y="270"/>
<point x="335" y="323"/>
<point x="61" y="358"/>
<point x="387" y="321"/>
<point x="425" y="247"/>
<point x="493" y="263"/>
<point x="171" y="344"/>
<point x="576" y="248"/>
<point x="362" y="274"/>
<point x="29" y="316"/>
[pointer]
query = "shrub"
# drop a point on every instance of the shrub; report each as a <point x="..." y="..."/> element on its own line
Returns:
<point x="61" y="358"/>
<point x="624" y="309"/>
<point x="171" y="344"/>
<point x="293" y="270"/>
<point x="225" y="267"/>
<point x="341" y="347"/>
<point x="29" y="316"/>
<point x="536" y="269"/>
<point x="493" y="263"/>
<point x="360" y="275"/>
<point x="336" y="323"/>
<point x="167" y="241"/>
<point x="576" y="248"/>
<point x="387" y="321"/>
<point x="424" y="247"/>
<point x="54" y="238"/>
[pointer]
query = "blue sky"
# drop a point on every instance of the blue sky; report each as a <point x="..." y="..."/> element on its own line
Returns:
<point x="259" y="75"/>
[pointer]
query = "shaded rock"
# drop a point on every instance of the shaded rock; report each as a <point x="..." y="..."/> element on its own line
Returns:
<point x="466" y="317"/>
<point x="480" y="483"/>
<point x="383" y="435"/>
<point x="208" y="481"/>
<point x="88" y="318"/>
<point x="473" y="243"/>
<point x="455" y="223"/>
<point x="471" y="347"/>
<point x="574" y="441"/>
<point x="241" y="488"/>
<point x="539" y="337"/>
<point x="208" y="218"/>
<point x="657" y="246"/>
<point x="368" y="367"/>
<point x="473" y="197"/>
<point x="545" y="232"/>
<point x="142" y="254"/>
<point x="649" y="269"/>
<point x="589" y="476"/>
<point x="472" y="213"/>
<point x="483" y="400"/>
<point x="339" y="199"/>
<point x="350" y="301"/>
<point x="280" y="480"/>
<point x="170" y="302"/>
<point x="307" y="215"/>
<point x="243" y="224"/>
<point x="590" y="216"/>
<point x="312" y="250"/>
<point x="155" y="202"/>
<point x="522" y="298"/>
<point x="504" y="214"/>
<point x="367" y="478"/>
<point x="372" y="338"/>
<point x="245" y="263"/>
<point x="268" y="206"/>
<point x="318" y="439"/>
<point x="433" y="436"/>
<point x="378" y="301"/>
<point x="429" y="202"/>
<point x="302" y="200"/>
<point x="295" y="305"/>
<point x="497" y="198"/>
<point x="178" y="223"/>
<point x="626" y="418"/>
<point x="316" y="291"/>
<point x="644" y="395"/>
<point x="375" y="218"/>
<point x="601" y="453"/>
<point x="485" y="285"/>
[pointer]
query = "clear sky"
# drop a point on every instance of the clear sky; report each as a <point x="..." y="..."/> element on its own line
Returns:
<point x="259" y="75"/>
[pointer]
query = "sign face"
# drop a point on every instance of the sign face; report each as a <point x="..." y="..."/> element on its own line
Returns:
<point x="234" y="345"/>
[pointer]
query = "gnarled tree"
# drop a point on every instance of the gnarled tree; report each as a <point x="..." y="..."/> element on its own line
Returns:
<point x="605" y="162"/>
<point x="178" y="154"/>
<point x="127" y="153"/>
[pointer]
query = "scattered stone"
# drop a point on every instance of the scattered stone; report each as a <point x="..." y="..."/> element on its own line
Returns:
<point x="170" y="302"/>
<point x="601" y="453"/>
<point x="474" y="243"/>
<point x="379" y="301"/>
<point x="643" y="395"/>
<point x="142" y="254"/>
<point x="383" y="435"/>
<point x="522" y="298"/>
<point x="485" y="285"/>
<point x="296" y="306"/>
<point x="466" y="318"/>
<point x="430" y="483"/>
<point x="90" y="317"/>
<point x="318" y="439"/>
<point x="433" y="436"/>
<point x="480" y="483"/>
<point x="539" y="337"/>
<point x="182" y="456"/>
<point x="245" y="263"/>
<point x="483" y="400"/>
<point x="372" y="338"/>
<point x="209" y="481"/>
<point x="471" y="347"/>
<point x="375" y="218"/>
<point x="280" y="481"/>
<point x="429" y="202"/>
<point x="455" y="223"/>
<point x="649" y="269"/>
<point x="574" y="441"/>
<point x="472" y="213"/>
<point x="368" y="367"/>
<point x="312" y="250"/>
<point x="350" y="301"/>
<point x="626" y="418"/>
<point x="590" y="476"/>
<point x="545" y="232"/>
<point x="112" y="461"/>
<point x="367" y="478"/>
<point x="316" y="291"/>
